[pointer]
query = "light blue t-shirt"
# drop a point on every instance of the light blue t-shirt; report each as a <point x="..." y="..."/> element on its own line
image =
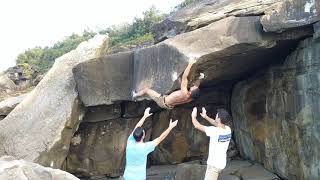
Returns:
<point x="136" y="159"/>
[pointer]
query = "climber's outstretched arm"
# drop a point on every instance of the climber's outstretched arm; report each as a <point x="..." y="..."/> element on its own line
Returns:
<point x="184" y="81"/>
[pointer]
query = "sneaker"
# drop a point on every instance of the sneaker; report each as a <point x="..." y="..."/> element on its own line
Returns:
<point x="134" y="95"/>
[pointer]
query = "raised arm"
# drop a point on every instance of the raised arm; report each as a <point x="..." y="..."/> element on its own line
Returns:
<point x="145" y="116"/>
<point x="184" y="81"/>
<point x="195" y="122"/>
<point x="206" y="117"/>
<point x="166" y="132"/>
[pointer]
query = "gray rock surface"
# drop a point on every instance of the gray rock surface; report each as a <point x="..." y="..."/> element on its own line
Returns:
<point x="227" y="49"/>
<point x="235" y="170"/>
<point x="106" y="79"/>
<point x="11" y="169"/>
<point x="162" y="172"/>
<point x="102" y="113"/>
<point x="99" y="148"/>
<point x="204" y="12"/>
<point x="7" y="105"/>
<point x="190" y="171"/>
<point x="6" y="84"/>
<point x="49" y="115"/>
<point x="288" y="14"/>
<point x="276" y="15"/>
<point x="276" y="115"/>
<point x="316" y="28"/>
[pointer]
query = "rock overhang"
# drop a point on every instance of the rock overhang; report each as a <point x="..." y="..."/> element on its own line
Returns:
<point x="226" y="50"/>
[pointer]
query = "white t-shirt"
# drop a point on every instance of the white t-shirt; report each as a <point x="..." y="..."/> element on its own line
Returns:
<point x="219" y="142"/>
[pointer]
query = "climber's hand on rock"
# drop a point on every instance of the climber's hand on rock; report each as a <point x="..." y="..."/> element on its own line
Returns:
<point x="201" y="76"/>
<point x="147" y="112"/>
<point x="192" y="60"/>
<point x="173" y="124"/>
<point x="204" y="112"/>
<point x="194" y="112"/>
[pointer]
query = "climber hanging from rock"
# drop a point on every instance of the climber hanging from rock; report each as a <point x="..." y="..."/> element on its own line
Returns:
<point x="181" y="96"/>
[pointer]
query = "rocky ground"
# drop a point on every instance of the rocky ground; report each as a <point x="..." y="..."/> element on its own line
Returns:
<point x="235" y="170"/>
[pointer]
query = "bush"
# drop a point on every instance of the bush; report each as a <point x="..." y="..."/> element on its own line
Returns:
<point x="136" y="33"/>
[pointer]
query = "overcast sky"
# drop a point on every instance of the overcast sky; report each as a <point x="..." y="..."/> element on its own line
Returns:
<point x="29" y="23"/>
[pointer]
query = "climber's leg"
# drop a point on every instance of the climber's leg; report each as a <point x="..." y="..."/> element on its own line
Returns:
<point x="146" y="91"/>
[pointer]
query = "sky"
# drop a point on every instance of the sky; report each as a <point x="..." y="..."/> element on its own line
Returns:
<point x="29" y="23"/>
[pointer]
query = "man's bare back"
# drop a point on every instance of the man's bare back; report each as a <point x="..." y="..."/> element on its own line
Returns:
<point x="177" y="97"/>
<point x="181" y="96"/>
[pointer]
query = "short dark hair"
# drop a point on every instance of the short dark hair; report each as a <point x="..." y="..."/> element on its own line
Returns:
<point x="138" y="133"/>
<point x="195" y="94"/>
<point x="224" y="116"/>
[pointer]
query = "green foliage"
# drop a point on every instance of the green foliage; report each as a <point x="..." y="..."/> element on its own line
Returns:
<point x="38" y="60"/>
<point x="137" y="32"/>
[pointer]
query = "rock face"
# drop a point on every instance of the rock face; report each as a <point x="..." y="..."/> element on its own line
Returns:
<point x="99" y="148"/>
<point x="44" y="136"/>
<point x="277" y="15"/>
<point x="227" y="49"/>
<point x="185" y="143"/>
<point x="9" y="104"/>
<point x="102" y="113"/>
<point x="276" y="115"/>
<point x="290" y="14"/>
<point x="316" y="28"/>
<point x="11" y="169"/>
<point x="104" y="80"/>
<point x="158" y="67"/>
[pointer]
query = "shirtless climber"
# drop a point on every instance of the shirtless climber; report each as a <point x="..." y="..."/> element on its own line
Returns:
<point x="181" y="96"/>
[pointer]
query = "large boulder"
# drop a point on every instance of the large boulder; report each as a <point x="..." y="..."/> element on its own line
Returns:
<point x="106" y="79"/>
<point x="99" y="148"/>
<point x="288" y="14"/>
<point x="40" y="128"/>
<point x="158" y="67"/>
<point x="11" y="169"/>
<point x="7" y="105"/>
<point x="6" y="84"/>
<point x="276" y="115"/>
<point x="276" y="15"/>
<point x="202" y="13"/>
<point x="227" y="49"/>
